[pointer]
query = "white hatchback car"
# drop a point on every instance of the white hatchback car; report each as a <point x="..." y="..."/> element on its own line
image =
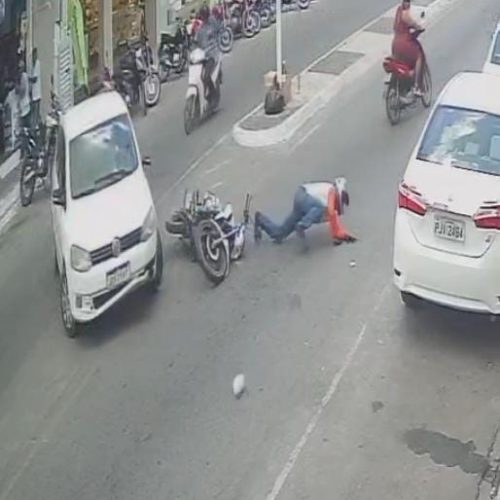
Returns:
<point x="447" y="230"/>
<point x="105" y="230"/>
<point x="492" y="64"/>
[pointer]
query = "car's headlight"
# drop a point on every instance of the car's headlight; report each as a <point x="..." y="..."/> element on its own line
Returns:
<point x="80" y="259"/>
<point x="149" y="225"/>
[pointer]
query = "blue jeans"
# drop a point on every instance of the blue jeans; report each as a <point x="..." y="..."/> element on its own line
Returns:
<point x="306" y="212"/>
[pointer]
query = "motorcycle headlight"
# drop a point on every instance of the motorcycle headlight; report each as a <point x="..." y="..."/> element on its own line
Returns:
<point x="197" y="56"/>
<point x="149" y="225"/>
<point x="80" y="259"/>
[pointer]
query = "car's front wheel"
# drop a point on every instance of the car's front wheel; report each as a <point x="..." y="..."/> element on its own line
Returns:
<point x="69" y="322"/>
<point x="157" y="278"/>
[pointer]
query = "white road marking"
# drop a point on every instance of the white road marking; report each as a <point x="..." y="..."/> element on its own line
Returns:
<point x="216" y="167"/>
<point x="216" y="185"/>
<point x="332" y="389"/>
<point x="305" y="137"/>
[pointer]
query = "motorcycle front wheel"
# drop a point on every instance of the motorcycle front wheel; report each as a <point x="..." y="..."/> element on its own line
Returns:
<point x="393" y="104"/>
<point x="214" y="260"/>
<point x="190" y="114"/>
<point x="225" y="39"/>
<point x="27" y="181"/>
<point x="248" y="25"/>
<point x="257" y="21"/>
<point x="152" y="89"/>
<point x="266" y="17"/>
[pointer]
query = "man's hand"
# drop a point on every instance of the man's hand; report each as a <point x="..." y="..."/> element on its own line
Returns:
<point x="346" y="239"/>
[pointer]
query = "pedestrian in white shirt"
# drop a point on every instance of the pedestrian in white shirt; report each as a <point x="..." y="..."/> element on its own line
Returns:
<point x="23" y="94"/>
<point x="36" y="89"/>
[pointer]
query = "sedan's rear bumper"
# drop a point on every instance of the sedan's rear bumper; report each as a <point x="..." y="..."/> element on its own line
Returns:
<point x="458" y="282"/>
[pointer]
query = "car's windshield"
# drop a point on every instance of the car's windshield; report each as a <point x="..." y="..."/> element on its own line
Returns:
<point x="102" y="156"/>
<point x="495" y="55"/>
<point x="464" y="139"/>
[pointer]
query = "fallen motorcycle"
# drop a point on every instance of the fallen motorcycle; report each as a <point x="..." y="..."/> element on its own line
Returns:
<point x="210" y="232"/>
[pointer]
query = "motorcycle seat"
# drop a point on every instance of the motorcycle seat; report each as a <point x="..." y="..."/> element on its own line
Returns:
<point x="397" y="67"/>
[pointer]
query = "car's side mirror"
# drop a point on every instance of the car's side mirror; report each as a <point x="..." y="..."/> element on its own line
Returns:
<point x="58" y="197"/>
<point x="146" y="161"/>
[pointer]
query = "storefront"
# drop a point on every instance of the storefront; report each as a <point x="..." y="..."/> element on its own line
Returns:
<point x="97" y="27"/>
<point x="13" y="43"/>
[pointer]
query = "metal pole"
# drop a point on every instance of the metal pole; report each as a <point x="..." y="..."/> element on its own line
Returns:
<point x="279" y="54"/>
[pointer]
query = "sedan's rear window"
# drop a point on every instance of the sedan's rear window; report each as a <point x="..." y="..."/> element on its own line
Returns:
<point x="495" y="55"/>
<point x="464" y="139"/>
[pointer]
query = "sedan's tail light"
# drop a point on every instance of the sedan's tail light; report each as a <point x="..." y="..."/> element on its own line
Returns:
<point x="488" y="216"/>
<point x="410" y="199"/>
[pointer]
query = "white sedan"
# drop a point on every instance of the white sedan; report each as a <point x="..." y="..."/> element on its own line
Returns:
<point x="447" y="229"/>
<point x="103" y="217"/>
<point x="492" y="64"/>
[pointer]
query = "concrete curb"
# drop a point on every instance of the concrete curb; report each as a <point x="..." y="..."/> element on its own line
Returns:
<point x="284" y="131"/>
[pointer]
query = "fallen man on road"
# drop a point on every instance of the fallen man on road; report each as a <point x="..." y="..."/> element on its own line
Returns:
<point x="313" y="203"/>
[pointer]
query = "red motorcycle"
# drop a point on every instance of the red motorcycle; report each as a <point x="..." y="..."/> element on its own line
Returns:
<point x="399" y="93"/>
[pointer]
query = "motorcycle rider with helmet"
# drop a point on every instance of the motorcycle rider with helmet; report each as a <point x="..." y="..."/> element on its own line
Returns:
<point x="206" y="39"/>
<point x="405" y="47"/>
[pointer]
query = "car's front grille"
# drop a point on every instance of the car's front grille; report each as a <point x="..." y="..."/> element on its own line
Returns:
<point x="100" y="300"/>
<point x="104" y="253"/>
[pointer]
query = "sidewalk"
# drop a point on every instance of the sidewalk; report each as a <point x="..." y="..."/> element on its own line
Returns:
<point x="9" y="189"/>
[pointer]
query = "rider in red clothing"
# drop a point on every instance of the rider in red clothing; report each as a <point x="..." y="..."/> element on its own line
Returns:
<point x="405" y="47"/>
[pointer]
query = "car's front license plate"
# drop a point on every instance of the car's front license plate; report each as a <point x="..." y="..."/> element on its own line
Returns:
<point x="449" y="229"/>
<point x="118" y="276"/>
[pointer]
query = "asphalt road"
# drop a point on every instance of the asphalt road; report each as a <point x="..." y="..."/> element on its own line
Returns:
<point x="349" y="395"/>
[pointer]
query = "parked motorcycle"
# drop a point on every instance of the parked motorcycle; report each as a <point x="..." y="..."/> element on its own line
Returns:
<point x="399" y="93"/>
<point x="242" y="18"/>
<point x="50" y="133"/>
<point x="225" y="34"/>
<point x="201" y="103"/>
<point x="149" y="73"/>
<point x="128" y="78"/>
<point x="210" y="232"/>
<point x="33" y="162"/>
<point x="264" y="9"/>
<point x="173" y="52"/>
<point x="301" y="4"/>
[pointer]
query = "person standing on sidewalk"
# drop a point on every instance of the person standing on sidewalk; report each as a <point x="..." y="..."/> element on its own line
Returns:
<point x="313" y="203"/>
<point x="36" y="89"/>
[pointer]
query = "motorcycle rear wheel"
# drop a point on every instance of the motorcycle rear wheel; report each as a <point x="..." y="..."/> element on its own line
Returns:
<point x="27" y="181"/>
<point x="392" y="104"/>
<point x="214" y="261"/>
